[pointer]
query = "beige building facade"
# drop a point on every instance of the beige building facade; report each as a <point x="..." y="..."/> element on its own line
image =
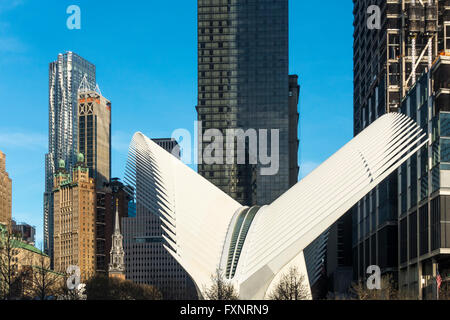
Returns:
<point x="5" y="192"/>
<point x="94" y="138"/>
<point x="74" y="210"/>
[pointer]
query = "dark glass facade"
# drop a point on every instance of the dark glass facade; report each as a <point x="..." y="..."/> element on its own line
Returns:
<point x="243" y="82"/>
<point x="94" y="135"/>
<point x="424" y="228"/>
<point x="383" y="76"/>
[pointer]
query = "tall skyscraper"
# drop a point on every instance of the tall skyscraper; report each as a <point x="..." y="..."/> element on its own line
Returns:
<point x="5" y="192"/>
<point x="388" y="58"/>
<point x="243" y="83"/>
<point x="423" y="184"/>
<point x="146" y="260"/>
<point x="74" y="213"/>
<point x="94" y="134"/>
<point x="65" y="77"/>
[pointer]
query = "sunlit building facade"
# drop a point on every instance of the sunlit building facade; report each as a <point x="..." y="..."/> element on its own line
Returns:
<point x="94" y="134"/>
<point x="75" y="213"/>
<point x="5" y="192"/>
<point x="65" y="77"/>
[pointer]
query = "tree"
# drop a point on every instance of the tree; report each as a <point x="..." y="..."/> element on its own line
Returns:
<point x="101" y="287"/>
<point x="42" y="281"/>
<point x="220" y="289"/>
<point x="8" y="262"/>
<point x="292" y="286"/>
<point x="388" y="291"/>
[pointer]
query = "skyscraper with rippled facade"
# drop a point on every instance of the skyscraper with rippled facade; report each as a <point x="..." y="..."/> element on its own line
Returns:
<point x="65" y="76"/>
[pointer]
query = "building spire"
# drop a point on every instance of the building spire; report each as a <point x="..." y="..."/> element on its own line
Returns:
<point x="116" y="264"/>
<point x="117" y="224"/>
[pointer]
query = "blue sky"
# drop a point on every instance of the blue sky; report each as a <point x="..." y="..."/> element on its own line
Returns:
<point x="145" y="53"/>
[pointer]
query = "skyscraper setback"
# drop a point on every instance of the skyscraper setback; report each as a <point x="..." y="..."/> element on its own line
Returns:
<point x="65" y="76"/>
<point x="243" y="83"/>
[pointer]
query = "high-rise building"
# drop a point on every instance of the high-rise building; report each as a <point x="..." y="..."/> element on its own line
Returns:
<point x="75" y="210"/>
<point x="146" y="259"/>
<point x="243" y="83"/>
<point x="424" y="181"/>
<point x="94" y="134"/>
<point x="205" y="229"/>
<point x="5" y="192"/>
<point x="117" y="264"/>
<point x="388" y="58"/>
<point x="65" y="77"/>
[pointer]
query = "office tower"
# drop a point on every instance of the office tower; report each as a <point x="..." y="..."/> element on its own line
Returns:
<point x="146" y="260"/>
<point x="107" y="199"/>
<point x="5" y="192"/>
<point x="117" y="263"/>
<point x="74" y="209"/>
<point x="65" y="77"/>
<point x="243" y="83"/>
<point x="424" y="181"/>
<point x="25" y="232"/>
<point x="388" y="58"/>
<point x="94" y="133"/>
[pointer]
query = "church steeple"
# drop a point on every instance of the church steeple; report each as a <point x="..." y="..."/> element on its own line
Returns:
<point x="116" y="264"/>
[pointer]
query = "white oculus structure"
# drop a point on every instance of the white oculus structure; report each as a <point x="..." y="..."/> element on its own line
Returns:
<point x="206" y="229"/>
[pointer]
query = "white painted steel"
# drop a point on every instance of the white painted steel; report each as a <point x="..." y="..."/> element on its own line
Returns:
<point x="199" y="218"/>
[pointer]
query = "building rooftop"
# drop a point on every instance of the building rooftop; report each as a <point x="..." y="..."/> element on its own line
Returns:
<point x="22" y="245"/>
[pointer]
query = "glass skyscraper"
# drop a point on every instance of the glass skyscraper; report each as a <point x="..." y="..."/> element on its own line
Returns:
<point x="243" y="82"/>
<point x="65" y="76"/>
<point x="391" y="225"/>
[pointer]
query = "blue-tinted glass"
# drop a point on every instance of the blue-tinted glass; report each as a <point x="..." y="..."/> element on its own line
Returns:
<point x="435" y="178"/>
<point x="445" y="150"/>
<point x="424" y="116"/>
<point x="413" y="181"/>
<point x="444" y="124"/>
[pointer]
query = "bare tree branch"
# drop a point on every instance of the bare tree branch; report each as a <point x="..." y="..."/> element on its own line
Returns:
<point x="220" y="288"/>
<point x="292" y="286"/>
